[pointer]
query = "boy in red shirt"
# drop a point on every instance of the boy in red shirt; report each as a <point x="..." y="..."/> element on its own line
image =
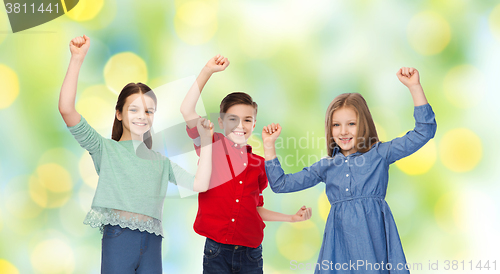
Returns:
<point x="231" y="212"/>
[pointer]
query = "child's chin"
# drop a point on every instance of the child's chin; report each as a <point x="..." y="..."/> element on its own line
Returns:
<point x="240" y="140"/>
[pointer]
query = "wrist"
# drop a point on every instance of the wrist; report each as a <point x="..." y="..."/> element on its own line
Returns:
<point x="207" y="71"/>
<point x="414" y="87"/>
<point x="77" y="59"/>
<point x="269" y="143"/>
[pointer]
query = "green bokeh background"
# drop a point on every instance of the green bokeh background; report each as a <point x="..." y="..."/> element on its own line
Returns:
<point x="293" y="57"/>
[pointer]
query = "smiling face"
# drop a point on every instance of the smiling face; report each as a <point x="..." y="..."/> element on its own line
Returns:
<point x="238" y="123"/>
<point x="137" y="116"/>
<point x="345" y="129"/>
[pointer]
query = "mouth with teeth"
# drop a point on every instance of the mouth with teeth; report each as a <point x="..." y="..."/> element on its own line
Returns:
<point x="140" y="124"/>
<point x="239" y="133"/>
<point x="345" y="140"/>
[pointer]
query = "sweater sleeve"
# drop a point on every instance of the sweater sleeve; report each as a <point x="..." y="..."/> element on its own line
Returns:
<point x="89" y="139"/>
<point x="179" y="176"/>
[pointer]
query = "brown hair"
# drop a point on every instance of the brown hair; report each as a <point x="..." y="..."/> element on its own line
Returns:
<point x="367" y="133"/>
<point x="130" y="89"/>
<point x="236" y="98"/>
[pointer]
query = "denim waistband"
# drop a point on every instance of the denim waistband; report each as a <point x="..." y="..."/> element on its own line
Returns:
<point x="359" y="197"/>
<point x="228" y="246"/>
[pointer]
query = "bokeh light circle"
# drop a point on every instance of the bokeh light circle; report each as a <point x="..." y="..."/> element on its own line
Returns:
<point x="421" y="161"/>
<point x="10" y="86"/>
<point x="428" y="33"/>
<point x="306" y="240"/>
<point x="324" y="206"/>
<point x="449" y="213"/>
<point x="53" y="256"/>
<point x="124" y="68"/>
<point x="195" y="22"/>
<point x="464" y="86"/>
<point x="7" y="268"/>
<point x="494" y="22"/>
<point x="52" y="186"/>
<point x="87" y="170"/>
<point x="85" y="10"/>
<point x="18" y="201"/>
<point x="460" y="150"/>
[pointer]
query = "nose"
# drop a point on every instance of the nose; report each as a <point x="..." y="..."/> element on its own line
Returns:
<point x="142" y="115"/>
<point x="344" y="130"/>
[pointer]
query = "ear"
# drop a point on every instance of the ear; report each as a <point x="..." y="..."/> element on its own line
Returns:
<point x="119" y="115"/>
<point x="254" y="124"/>
<point x="221" y="125"/>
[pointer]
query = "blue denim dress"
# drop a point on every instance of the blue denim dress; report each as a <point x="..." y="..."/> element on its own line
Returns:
<point x="360" y="233"/>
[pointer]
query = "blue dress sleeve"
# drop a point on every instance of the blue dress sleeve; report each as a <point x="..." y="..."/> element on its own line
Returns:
<point x="306" y="178"/>
<point x="89" y="139"/>
<point x="413" y="140"/>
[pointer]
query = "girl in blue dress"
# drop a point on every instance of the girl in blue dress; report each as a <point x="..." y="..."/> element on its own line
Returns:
<point x="360" y="233"/>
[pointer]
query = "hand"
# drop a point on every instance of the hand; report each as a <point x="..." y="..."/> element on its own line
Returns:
<point x="216" y="64"/>
<point x="79" y="46"/>
<point x="408" y="76"/>
<point x="302" y="215"/>
<point x="205" y="128"/>
<point x="270" y="133"/>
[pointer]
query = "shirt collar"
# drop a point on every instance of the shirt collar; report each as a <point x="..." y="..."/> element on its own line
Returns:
<point x="237" y="146"/>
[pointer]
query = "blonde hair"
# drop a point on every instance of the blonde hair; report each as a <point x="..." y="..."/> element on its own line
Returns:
<point x="367" y="133"/>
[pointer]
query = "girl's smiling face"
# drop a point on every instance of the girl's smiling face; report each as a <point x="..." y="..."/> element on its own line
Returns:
<point x="345" y="129"/>
<point x="137" y="116"/>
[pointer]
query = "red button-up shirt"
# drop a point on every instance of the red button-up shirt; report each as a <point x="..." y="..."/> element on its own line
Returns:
<point x="227" y="212"/>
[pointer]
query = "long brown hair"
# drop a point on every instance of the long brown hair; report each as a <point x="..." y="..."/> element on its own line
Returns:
<point x="367" y="133"/>
<point x="130" y="89"/>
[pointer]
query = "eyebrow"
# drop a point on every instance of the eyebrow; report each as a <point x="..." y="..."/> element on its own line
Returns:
<point x="138" y="106"/>
<point x="234" y="115"/>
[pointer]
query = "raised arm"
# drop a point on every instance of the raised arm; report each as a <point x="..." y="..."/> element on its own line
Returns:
<point x="78" y="47"/>
<point x="278" y="180"/>
<point x="188" y="107"/>
<point x="425" y="122"/>
<point x="204" y="171"/>
<point x="411" y="79"/>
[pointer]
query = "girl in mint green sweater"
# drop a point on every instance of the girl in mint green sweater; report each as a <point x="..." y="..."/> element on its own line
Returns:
<point x="133" y="179"/>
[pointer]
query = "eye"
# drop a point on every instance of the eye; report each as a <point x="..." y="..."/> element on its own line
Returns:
<point x="232" y="119"/>
<point x="133" y="110"/>
<point x="352" y="124"/>
<point x="150" y="112"/>
<point x="248" y="121"/>
<point x="335" y="125"/>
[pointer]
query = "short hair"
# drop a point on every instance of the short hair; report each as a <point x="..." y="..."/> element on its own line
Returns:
<point x="236" y="98"/>
<point x="367" y="133"/>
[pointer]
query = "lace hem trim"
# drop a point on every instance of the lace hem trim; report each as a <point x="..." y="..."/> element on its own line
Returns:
<point x="98" y="217"/>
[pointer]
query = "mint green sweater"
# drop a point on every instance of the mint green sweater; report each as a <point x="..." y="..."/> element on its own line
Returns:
<point x="132" y="181"/>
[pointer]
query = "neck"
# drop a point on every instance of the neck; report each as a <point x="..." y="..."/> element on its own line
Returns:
<point x="127" y="136"/>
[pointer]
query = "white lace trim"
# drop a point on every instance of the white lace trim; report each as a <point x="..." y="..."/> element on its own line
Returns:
<point x="99" y="217"/>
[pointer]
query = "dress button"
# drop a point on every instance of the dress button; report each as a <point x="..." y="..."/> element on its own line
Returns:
<point x="235" y="145"/>
<point x="346" y="189"/>
<point x="237" y="200"/>
<point x="346" y="161"/>
<point x="241" y="182"/>
<point x="245" y="164"/>
<point x="232" y="220"/>
<point x="347" y="175"/>
<point x="242" y="152"/>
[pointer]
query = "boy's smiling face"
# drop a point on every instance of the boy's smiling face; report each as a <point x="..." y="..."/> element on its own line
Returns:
<point x="238" y="123"/>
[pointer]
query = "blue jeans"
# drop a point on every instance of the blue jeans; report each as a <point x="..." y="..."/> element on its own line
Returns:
<point x="223" y="258"/>
<point x="127" y="251"/>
